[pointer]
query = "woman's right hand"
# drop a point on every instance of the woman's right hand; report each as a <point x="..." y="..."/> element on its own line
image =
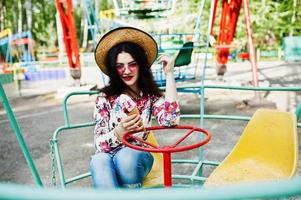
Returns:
<point x="129" y="123"/>
<point x="168" y="63"/>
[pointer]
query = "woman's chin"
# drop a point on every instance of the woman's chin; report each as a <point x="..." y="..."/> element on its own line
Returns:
<point x="129" y="83"/>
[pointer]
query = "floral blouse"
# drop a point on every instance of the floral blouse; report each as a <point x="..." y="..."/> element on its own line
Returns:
<point x="109" y="111"/>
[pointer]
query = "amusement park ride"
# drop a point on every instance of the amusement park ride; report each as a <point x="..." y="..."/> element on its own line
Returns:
<point x="19" y="45"/>
<point x="227" y="27"/>
<point x="65" y="10"/>
<point x="144" y="8"/>
<point x="267" y="149"/>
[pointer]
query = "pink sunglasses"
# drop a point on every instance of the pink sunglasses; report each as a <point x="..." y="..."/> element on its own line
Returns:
<point x="132" y="66"/>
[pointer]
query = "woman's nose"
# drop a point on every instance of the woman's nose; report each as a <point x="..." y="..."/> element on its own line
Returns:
<point x="126" y="69"/>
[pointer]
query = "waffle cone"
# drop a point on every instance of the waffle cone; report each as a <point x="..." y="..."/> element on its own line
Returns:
<point x="136" y="111"/>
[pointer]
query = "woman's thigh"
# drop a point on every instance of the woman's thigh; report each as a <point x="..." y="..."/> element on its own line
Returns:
<point x="103" y="171"/>
<point x="132" y="166"/>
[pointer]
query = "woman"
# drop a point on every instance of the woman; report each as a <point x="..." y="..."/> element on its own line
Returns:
<point x="126" y="55"/>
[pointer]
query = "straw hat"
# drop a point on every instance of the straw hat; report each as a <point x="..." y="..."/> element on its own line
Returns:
<point x="120" y="35"/>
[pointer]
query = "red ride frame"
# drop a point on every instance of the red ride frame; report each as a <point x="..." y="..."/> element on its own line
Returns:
<point x="228" y="22"/>
<point x="65" y="10"/>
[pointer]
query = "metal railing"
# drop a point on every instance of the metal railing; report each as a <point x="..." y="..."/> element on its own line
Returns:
<point x="201" y="162"/>
<point x="284" y="188"/>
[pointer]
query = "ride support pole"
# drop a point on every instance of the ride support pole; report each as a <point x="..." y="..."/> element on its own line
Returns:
<point x="65" y="10"/>
<point x="250" y="43"/>
<point x="19" y="136"/>
<point x="167" y="169"/>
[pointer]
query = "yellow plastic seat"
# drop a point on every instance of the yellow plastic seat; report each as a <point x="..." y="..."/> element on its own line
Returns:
<point x="155" y="177"/>
<point x="266" y="150"/>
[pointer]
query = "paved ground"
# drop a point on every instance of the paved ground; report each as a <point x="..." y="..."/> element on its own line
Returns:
<point x="39" y="113"/>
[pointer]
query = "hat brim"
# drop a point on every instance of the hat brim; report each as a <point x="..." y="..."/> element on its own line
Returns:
<point x="124" y="34"/>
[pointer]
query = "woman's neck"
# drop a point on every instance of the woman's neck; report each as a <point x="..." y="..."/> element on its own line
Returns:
<point x="134" y="94"/>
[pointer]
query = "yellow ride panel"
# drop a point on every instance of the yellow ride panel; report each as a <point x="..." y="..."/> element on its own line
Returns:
<point x="266" y="150"/>
<point x="155" y="176"/>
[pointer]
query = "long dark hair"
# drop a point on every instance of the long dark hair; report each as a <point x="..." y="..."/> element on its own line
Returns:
<point x="146" y="81"/>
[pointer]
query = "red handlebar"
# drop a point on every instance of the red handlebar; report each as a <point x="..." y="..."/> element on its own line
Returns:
<point x="170" y="148"/>
<point x="166" y="150"/>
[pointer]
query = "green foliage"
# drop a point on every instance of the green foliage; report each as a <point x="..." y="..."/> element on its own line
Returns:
<point x="273" y="20"/>
<point x="44" y="25"/>
<point x="106" y="4"/>
<point x="43" y="18"/>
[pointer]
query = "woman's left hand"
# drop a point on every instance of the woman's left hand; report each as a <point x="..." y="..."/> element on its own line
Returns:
<point x="168" y="63"/>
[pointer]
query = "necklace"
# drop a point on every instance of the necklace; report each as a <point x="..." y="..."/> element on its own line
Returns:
<point x="135" y="96"/>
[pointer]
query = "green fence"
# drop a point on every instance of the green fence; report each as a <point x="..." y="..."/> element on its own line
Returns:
<point x="292" y="48"/>
<point x="262" y="190"/>
<point x="276" y="189"/>
<point x="6" y="78"/>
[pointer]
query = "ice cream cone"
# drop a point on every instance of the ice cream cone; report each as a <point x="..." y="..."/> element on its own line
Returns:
<point x="133" y="111"/>
<point x="136" y="111"/>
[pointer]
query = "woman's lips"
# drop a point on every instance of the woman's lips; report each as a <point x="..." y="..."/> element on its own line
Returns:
<point x="128" y="78"/>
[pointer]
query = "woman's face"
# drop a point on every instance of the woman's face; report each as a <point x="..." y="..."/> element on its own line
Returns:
<point x="128" y="70"/>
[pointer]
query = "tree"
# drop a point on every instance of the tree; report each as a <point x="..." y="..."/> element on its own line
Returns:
<point x="37" y="16"/>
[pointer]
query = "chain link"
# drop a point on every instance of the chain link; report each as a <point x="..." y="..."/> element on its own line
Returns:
<point x="52" y="159"/>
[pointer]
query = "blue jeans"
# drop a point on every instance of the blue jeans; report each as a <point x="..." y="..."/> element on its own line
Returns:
<point x="126" y="168"/>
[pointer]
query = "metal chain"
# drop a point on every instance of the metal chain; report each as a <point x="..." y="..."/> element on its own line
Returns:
<point x="53" y="167"/>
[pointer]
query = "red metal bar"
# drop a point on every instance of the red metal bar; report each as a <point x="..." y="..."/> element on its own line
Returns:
<point x="65" y="10"/>
<point x="250" y="43"/>
<point x="143" y="141"/>
<point x="182" y="138"/>
<point x="235" y="8"/>
<point x="167" y="150"/>
<point x="228" y="22"/>
<point x="214" y="15"/>
<point x="167" y="169"/>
